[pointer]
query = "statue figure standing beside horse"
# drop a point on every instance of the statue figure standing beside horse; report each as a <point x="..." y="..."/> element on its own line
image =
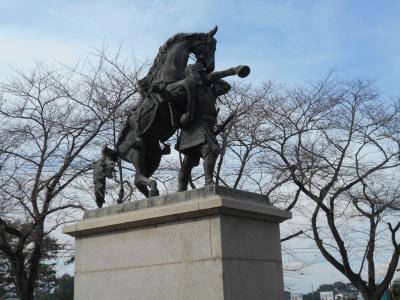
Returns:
<point x="174" y="95"/>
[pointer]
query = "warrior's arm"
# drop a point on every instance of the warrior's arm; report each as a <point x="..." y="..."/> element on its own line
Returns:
<point x="221" y="87"/>
<point x="176" y="90"/>
<point x="172" y="90"/>
<point x="241" y="71"/>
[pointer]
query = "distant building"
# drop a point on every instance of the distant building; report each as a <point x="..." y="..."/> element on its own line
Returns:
<point x="339" y="297"/>
<point x="296" y="296"/>
<point x="326" y="296"/>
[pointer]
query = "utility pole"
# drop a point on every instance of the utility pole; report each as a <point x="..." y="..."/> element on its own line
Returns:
<point x="312" y="292"/>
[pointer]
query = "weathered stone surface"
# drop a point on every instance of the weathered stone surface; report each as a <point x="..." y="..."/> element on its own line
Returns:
<point x="206" y="201"/>
<point x="252" y="279"/>
<point x="244" y="238"/>
<point x="204" y="192"/>
<point x="170" y="243"/>
<point x="211" y="243"/>
<point x="183" y="281"/>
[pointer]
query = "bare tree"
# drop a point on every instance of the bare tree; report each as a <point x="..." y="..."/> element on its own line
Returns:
<point x="51" y="119"/>
<point x="243" y="163"/>
<point x="335" y="137"/>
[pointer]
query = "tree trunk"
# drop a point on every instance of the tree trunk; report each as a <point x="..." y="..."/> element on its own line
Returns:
<point x="371" y="297"/>
<point x="26" y="270"/>
<point x="22" y="288"/>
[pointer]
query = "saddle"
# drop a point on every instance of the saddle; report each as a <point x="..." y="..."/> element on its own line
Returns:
<point x="140" y="116"/>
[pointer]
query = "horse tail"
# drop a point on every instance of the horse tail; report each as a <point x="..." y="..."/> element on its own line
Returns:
<point x="103" y="168"/>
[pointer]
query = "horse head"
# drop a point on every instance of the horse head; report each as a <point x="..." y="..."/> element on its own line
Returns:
<point x="204" y="50"/>
<point x="172" y="58"/>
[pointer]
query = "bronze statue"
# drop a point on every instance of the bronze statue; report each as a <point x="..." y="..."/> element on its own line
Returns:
<point x="173" y="95"/>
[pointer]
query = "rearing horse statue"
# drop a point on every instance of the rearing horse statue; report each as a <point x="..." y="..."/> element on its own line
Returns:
<point x="158" y="115"/>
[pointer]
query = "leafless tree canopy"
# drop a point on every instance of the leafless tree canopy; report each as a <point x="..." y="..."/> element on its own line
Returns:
<point x="340" y="143"/>
<point x="328" y="151"/>
<point x="51" y="119"/>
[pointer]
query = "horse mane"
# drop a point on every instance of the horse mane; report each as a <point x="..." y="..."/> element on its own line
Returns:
<point x="154" y="70"/>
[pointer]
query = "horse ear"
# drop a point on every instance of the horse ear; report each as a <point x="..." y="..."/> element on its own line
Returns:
<point x="213" y="31"/>
<point x="105" y="150"/>
<point x="112" y="154"/>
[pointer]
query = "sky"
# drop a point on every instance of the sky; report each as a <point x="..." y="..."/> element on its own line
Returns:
<point x="287" y="42"/>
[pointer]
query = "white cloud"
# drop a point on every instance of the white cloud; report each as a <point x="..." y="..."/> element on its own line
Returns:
<point x="19" y="50"/>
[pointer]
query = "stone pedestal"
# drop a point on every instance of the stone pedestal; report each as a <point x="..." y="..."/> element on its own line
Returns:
<point x="210" y="243"/>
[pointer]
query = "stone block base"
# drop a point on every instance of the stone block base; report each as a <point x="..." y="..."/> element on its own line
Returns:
<point x="211" y="243"/>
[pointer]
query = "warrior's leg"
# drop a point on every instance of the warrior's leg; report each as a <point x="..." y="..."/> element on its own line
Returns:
<point x="209" y="153"/>
<point x="189" y="162"/>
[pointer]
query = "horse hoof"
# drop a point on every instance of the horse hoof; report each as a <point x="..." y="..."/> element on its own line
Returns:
<point x="153" y="191"/>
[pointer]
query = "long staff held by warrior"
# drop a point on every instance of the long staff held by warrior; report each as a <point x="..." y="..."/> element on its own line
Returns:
<point x="221" y="127"/>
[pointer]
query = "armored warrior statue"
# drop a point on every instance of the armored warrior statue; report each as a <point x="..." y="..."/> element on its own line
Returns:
<point x="198" y="139"/>
<point x="198" y="124"/>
